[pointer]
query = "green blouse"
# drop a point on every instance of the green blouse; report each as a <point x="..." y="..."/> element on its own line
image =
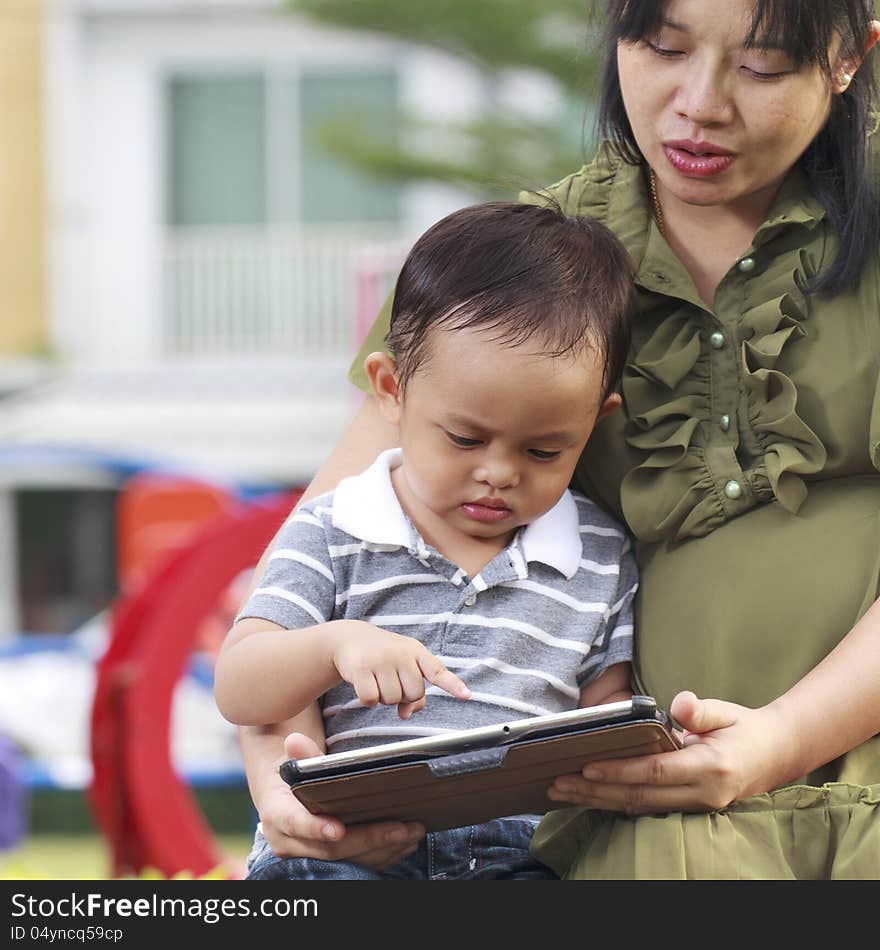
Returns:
<point x="745" y="462"/>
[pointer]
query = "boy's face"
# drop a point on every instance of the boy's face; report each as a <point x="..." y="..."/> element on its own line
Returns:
<point x="490" y="433"/>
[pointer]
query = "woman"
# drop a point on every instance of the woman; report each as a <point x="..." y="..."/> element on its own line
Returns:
<point x="745" y="463"/>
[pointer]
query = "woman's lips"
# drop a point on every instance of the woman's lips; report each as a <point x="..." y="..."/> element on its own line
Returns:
<point x="484" y="512"/>
<point x="695" y="163"/>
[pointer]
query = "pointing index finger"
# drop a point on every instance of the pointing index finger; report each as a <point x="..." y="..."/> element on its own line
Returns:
<point x="437" y="674"/>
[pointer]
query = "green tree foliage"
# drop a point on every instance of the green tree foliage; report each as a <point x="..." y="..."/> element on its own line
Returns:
<point x="504" y="148"/>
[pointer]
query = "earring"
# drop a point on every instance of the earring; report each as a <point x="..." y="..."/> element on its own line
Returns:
<point x="845" y="79"/>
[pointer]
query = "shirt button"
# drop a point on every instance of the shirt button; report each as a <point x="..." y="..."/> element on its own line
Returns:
<point x="470" y="600"/>
<point x="717" y="340"/>
<point x="733" y="490"/>
<point x="746" y="265"/>
<point x="724" y="422"/>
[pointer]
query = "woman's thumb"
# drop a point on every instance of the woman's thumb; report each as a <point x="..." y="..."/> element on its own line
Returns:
<point x="696" y="715"/>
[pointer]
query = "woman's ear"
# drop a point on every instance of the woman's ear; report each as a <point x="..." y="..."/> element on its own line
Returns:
<point x="381" y="371"/>
<point x="845" y="67"/>
<point x="873" y="36"/>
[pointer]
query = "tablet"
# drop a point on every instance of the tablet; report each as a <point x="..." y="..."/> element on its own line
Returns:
<point x="468" y="776"/>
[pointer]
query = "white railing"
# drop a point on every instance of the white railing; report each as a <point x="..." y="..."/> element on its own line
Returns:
<point x="254" y="292"/>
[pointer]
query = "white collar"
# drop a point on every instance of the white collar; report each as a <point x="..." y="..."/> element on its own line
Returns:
<point x="366" y="506"/>
<point x="555" y="538"/>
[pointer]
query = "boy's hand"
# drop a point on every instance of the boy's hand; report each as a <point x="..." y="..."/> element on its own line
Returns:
<point x="294" y="832"/>
<point x="388" y="668"/>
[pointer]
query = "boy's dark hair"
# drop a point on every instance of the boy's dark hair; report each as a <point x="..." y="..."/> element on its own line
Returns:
<point x="526" y="273"/>
<point x="837" y="162"/>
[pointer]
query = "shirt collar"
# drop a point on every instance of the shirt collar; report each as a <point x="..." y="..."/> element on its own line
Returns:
<point x="366" y="507"/>
<point x="554" y="539"/>
<point x="629" y="214"/>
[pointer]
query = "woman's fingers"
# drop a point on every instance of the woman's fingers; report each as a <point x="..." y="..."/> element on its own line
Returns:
<point x="644" y="784"/>
<point x="695" y="778"/>
<point x="628" y="799"/>
<point x="664" y="768"/>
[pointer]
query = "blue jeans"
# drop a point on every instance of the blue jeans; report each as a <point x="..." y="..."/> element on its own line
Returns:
<point x="495" y="850"/>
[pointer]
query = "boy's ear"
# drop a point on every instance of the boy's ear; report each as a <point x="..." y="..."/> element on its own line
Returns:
<point x="611" y="403"/>
<point x="381" y="371"/>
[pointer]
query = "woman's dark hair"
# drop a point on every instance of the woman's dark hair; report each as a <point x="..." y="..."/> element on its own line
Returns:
<point x="837" y="161"/>
<point x="525" y="273"/>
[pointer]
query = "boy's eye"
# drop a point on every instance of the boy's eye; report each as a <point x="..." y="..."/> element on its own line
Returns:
<point x="462" y="441"/>
<point x="544" y="454"/>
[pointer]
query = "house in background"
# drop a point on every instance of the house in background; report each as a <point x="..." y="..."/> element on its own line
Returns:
<point x="185" y="271"/>
<point x="23" y="251"/>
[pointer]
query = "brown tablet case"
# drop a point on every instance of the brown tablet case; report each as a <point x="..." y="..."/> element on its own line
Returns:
<point x="472" y="787"/>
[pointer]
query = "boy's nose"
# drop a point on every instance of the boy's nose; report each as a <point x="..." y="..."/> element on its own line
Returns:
<point x="498" y="474"/>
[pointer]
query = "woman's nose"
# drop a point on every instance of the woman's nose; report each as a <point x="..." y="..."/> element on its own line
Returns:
<point x="703" y="95"/>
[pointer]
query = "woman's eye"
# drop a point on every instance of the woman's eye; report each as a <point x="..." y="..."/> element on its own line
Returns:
<point x="662" y="50"/>
<point x="462" y="441"/>
<point x="762" y="75"/>
<point x="543" y="454"/>
<point x="771" y="66"/>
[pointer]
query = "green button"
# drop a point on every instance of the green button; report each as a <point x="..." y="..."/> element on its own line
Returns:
<point x="746" y="265"/>
<point x="733" y="490"/>
<point x="717" y="340"/>
<point x="724" y="422"/>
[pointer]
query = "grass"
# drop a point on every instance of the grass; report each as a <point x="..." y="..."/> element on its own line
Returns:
<point x="81" y="857"/>
<point x="63" y="843"/>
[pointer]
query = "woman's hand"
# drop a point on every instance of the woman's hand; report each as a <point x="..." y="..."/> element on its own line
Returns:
<point x="294" y="832"/>
<point x="729" y="752"/>
<point x="388" y="668"/>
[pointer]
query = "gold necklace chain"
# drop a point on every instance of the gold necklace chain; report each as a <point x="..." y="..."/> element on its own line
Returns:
<point x="658" y="211"/>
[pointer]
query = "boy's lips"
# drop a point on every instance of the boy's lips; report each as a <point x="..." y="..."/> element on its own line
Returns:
<point x="486" y="509"/>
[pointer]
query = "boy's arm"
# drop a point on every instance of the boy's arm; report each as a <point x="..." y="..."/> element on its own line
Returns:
<point x="266" y="673"/>
<point x="287" y="824"/>
<point x="614" y="683"/>
<point x="610" y="686"/>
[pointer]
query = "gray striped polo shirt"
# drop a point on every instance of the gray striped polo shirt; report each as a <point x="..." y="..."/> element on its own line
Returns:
<point x="540" y="620"/>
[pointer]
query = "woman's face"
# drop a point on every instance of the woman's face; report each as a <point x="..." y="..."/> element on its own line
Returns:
<point x="720" y="123"/>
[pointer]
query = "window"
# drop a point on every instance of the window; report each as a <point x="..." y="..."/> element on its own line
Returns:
<point x="331" y="189"/>
<point x="67" y="568"/>
<point x="250" y="149"/>
<point x="217" y="160"/>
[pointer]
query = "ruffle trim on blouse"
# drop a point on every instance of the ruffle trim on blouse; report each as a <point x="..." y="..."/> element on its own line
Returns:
<point x="794" y="833"/>
<point x="791" y="448"/>
<point x="672" y="493"/>
<point x="666" y="387"/>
